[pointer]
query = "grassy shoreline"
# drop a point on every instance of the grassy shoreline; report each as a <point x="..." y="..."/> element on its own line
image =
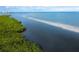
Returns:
<point x="11" y="39"/>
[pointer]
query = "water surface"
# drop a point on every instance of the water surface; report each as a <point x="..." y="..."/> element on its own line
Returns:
<point x="51" y="38"/>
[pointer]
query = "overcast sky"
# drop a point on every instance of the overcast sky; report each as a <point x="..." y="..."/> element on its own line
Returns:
<point x="39" y="9"/>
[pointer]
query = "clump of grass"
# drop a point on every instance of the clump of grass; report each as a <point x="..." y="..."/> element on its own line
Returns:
<point x="11" y="40"/>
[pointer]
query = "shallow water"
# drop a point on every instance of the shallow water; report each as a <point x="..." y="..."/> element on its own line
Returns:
<point x="49" y="37"/>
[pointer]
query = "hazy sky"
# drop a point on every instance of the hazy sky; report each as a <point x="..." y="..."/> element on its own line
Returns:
<point x="38" y="9"/>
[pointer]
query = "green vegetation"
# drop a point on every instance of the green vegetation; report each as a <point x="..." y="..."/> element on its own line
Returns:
<point x="11" y="39"/>
<point x="9" y="23"/>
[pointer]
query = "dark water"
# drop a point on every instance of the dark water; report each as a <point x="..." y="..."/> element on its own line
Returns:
<point x="49" y="37"/>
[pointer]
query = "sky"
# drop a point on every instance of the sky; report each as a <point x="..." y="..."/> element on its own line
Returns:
<point x="39" y="8"/>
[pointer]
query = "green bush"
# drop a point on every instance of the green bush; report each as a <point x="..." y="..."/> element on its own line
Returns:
<point x="11" y="39"/>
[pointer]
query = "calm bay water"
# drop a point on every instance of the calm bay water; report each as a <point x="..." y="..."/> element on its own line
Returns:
<point x="51" y="38"/>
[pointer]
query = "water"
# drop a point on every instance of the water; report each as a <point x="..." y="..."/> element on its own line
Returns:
<point x="51" y="38"/>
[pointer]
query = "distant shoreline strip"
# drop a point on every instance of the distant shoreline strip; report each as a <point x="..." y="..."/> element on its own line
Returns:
<point x="60" y="25"/>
